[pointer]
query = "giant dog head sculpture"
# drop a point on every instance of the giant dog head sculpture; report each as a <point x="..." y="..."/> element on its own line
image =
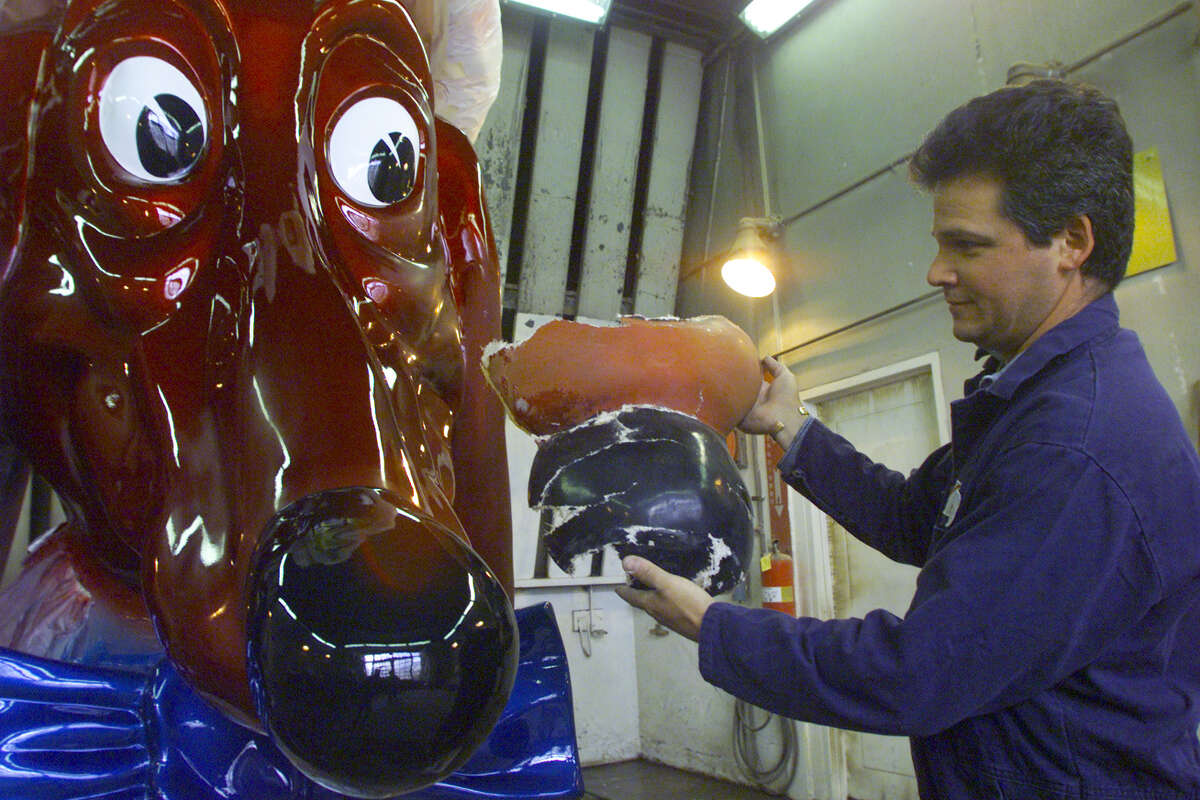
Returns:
<point x="247" y="279"/>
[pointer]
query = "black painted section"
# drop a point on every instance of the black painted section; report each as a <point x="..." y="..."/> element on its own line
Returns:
<point x="650" y="482"/>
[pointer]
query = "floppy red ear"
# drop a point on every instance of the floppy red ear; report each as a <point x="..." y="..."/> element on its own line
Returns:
<point x="22" y="41"/>
<point x="482" y="500"/>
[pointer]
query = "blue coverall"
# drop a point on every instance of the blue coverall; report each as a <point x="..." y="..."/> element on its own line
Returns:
<point x="1052" y="648"/>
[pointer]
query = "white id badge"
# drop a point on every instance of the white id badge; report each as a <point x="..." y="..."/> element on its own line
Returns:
<point x="950" y="510"/>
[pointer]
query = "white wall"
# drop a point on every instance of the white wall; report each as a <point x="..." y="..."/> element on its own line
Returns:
<point x="604" y="685"/>
<point x="16" y="555"/>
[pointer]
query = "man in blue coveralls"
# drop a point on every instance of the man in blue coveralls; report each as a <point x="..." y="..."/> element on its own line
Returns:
<point x="1052" y="648"/>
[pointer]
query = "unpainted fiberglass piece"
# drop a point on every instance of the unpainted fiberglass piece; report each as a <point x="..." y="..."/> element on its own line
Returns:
<point x="632" y="456"/>
<point x="568" y="372"/>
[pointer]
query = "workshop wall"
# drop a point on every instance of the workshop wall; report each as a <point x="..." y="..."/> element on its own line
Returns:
<point x="586" y="157"/>
<point x="850" y="89"/>
<point x="844" y="95"/>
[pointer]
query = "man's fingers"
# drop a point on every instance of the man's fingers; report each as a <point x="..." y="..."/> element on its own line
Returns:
<point x="635" y="597"/>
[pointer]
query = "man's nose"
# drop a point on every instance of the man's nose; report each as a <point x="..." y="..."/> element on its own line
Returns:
<point x="940" y="272"/>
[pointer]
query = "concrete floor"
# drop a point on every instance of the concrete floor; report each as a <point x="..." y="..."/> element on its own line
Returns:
<point x="643" y="780"/>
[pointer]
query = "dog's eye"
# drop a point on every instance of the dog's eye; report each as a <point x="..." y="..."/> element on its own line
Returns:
<point x="373" y="152"/>
<point x="152" y="119"/>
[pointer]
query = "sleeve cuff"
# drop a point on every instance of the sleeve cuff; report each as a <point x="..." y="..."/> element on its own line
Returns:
<point x="710" y="639"/>
<point x="787" y="464"/>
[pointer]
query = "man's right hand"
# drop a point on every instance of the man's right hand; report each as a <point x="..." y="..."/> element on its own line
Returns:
<point x="777" y="410"/>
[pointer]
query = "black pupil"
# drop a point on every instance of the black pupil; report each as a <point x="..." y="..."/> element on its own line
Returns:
<point x="392" y="170"/>
<point x="169" y="143"/>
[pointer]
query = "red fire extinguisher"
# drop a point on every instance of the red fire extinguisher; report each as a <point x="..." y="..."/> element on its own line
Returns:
<point x="777" y="590"/>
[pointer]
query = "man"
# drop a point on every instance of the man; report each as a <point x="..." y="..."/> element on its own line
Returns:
<point x="1052" y="648"/>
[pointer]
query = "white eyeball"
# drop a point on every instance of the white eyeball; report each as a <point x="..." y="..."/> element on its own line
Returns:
<point x="152" y="119"/>
<point x="373" y="152"/>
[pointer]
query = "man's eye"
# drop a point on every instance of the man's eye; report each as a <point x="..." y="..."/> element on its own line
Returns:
<point x="373" y="152"/>
<point x="152" y="120"/>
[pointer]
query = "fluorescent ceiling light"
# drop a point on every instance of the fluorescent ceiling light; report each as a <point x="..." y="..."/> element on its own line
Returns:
<point x="764" y="17"/>
<point x="593" y="11"/>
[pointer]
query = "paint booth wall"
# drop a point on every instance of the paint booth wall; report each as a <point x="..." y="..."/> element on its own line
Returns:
<point x="851" y="88"/>
<point x="844" y="92"/>
<point x="586" y="159"/>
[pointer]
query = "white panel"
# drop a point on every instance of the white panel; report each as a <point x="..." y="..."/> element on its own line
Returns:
<point x="666" y="201"/>
<point x="22" y="535"/>
<point x="556" y="168"/>
<point x="499" y="143"/>
<point x="894" y="421"/>
<point x="614" y="175"/>
<point x="604" y="689"/>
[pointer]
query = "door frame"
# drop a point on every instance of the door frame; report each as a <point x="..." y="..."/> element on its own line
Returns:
<point x="810" y="544"/>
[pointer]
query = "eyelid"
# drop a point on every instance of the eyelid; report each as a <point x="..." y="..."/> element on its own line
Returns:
<point x="961" y="243"/>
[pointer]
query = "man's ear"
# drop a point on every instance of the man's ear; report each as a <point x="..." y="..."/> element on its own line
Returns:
<point x="1078" y="242"/>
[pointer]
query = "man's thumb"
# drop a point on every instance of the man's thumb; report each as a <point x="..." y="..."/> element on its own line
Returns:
<point x="640" y="570"/>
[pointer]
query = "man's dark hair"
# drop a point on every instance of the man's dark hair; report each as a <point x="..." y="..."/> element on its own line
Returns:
<point x="1059" y="150"/>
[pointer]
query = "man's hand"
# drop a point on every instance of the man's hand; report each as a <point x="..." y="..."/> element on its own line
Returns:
<point x="776" y="400"/>
<point x="777" y="411"/>
<point x="674" y="601"/>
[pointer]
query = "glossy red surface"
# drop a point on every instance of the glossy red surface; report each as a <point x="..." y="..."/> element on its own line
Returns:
<point x="185" y="356"/>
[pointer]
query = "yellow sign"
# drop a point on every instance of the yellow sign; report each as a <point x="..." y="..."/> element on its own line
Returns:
<point x="1153" y="237"/>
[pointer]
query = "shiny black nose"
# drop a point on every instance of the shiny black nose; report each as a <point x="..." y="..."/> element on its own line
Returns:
<point x="381" y="647"/>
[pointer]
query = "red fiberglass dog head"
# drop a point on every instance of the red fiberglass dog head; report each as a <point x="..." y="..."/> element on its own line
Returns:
<point x="247" y="278"/>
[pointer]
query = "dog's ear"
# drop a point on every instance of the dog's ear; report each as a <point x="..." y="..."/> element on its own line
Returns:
<point x="24" y="36"/>
<point x="475" y="280"/>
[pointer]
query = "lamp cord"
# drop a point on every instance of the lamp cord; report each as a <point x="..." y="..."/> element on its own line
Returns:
<point x="775" y="778"/>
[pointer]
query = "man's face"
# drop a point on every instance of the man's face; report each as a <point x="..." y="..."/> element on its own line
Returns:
<point x="1000" y="288"/>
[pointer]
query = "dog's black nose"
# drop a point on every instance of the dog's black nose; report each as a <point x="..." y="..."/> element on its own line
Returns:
<point x="381" y="647"/>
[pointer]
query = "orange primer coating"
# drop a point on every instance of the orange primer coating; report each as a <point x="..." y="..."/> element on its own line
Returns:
<point x="568" y="372"/>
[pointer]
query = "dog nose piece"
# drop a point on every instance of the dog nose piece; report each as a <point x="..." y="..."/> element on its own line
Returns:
<point x="381" y="647"/>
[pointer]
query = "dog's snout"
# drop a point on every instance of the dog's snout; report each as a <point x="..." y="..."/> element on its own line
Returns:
<point x="381" y="647"/>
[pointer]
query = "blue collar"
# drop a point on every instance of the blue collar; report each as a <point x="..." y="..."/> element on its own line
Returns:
<point x="1099" y="316"/>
